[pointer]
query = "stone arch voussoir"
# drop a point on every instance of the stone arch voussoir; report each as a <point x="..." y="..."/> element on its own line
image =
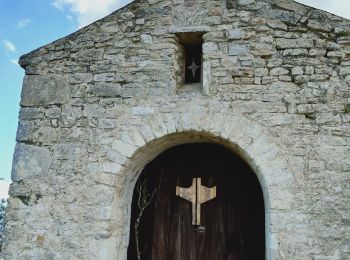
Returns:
<point x="246" y="138"/>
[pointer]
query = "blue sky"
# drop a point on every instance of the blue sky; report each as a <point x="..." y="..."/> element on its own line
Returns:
<point x="28" y="24"/>
<point x="24" y="25"/>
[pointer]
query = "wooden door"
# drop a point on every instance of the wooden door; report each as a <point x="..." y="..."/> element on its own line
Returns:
<point x="232" y="224"/>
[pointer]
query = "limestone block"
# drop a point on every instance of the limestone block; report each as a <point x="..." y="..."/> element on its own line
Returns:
<point x="153" y="1"/>
<point x="106" y="249"/>
<point x="285" y="78"/>
<point x="147" y="132"/>
<point x="158" y="126"/>
<point x="328" y="118"/>
<point x="344" y="71"/>
<point x="106" y="89"/>
<point x="77" y="78"/>
<point x="292" y="6"/>
<point x="110" y="167"/>
<point x="140" y="21"/>
<point x="53" y="112"/>
<point x="333" y="46"/>
<point x="345" y="118"/>
<point x="127" y="15"/>
<point x="263" y="49"/>
<point x="309" y="70"/>
<point x="281" y="197"/>
<point x="142" y="111"/>
<point x="229" y="61"/>
<point x="92" y="168"/>
<point x="260" y="72"/>
<point x="133" y="90"/>
<point x="29" y="160"/>
<point x="169" y="123"/>
<point x="315" y="25"/>
<point x="236" y="49"/>
<point x="46" y="135"/>
<point x="106" y="123"/>
<point x="295" y="52"/>
<point x="24" y="130"/>
<point x="246" y="2"/>
<point x="274" y="63"/>
<point x="278" y="71"/>
<point x="277" y="24"/>
<point x="200" y="28"/>
<point x="110" y="27"/>
<point x="297" y="71"/>
<point x="45" y="90"/>
<point x="283" y="43"/>
<point x="30" y="113"/>
<point x="206" y="77"/>
<point x="69" y="151"/>
<point x="258" y="20"/>
<point x="104" y="77"/>
<point x="335" y="54"/>
<point x="146" y="38"/>
<point x="229" y="125"/>
<point x="235" y="34"/>
<point x="89" y="55"/>
<point x="116" y="157"/>
<point x="317" y="52"/>
<point x="209" y="47"/>
<point x="124" y="148"/>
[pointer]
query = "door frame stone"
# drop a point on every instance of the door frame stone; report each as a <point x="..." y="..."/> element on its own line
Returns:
<point x="245" y="138"/>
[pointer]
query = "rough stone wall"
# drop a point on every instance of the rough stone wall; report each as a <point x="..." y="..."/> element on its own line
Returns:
<point x="90" y="100"/>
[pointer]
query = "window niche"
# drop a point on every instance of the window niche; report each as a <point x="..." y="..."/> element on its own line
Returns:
<point x="190" y="61"/>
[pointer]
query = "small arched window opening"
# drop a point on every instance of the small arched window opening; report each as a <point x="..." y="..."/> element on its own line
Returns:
<point x="191" y="65"/>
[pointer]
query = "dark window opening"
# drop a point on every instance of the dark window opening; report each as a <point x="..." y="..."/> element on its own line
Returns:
<point x="192" y="54"/>
<point x="193" y="67"/>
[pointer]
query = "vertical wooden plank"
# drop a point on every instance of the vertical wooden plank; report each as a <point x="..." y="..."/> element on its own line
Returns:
<point x="233" y="221"/>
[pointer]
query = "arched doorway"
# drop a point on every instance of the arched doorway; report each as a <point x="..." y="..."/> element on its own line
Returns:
<point x="232" y="224"/>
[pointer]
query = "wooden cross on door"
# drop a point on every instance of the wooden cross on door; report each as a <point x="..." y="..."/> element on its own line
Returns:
<point x="197" y="195"/>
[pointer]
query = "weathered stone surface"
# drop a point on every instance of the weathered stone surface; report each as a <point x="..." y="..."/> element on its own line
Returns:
<point x="235" y="34"/>
<point x="29" y="160"/>
<point x="315" y="25"/>
<point x="278" y="71"/>
<point x="24" y="131"/>
<point x="80" y="78"/>
<point x="142" y="111"/>
<point x="276" y="24"/>
<point x="45" y="90"/>
<point x="99" y="105"/>
<point x="238" y="49"/>
<point x="297" y="71"/>
<point x="107" y="89"/>
<point x="260" y="72"/>
<point x="294" y="43"/>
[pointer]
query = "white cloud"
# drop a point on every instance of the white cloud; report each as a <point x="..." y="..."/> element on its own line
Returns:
<point x="15" y="61"/>
<point x="9" y="46"/>
<point x="338" y="7"/>
<point x="4" y="189"/>
<point x="88" y="11"/>
<point x="24" y="22"/>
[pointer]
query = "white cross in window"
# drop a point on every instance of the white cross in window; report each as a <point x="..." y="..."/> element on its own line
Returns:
<point x="193" y="67"/>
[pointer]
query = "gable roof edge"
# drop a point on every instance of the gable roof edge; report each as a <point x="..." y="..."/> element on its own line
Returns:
<point x="24" y="60"/>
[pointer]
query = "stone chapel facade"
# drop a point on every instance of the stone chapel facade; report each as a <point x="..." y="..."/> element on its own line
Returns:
<point x="272" y="86"/>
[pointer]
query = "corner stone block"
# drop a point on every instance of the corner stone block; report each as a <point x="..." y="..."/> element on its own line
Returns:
<point x="29" y="160"/>
<point x="45" y="90"/>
